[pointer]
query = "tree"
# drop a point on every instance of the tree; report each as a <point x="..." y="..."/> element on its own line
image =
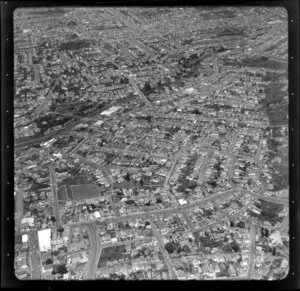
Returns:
<point x="127" y="177"/>
<point x="241" y="224"/>
<point x="49" y="261"/>
<point x="169" y="247"/>
<point x="141" y="183"/>
<point x="267" y="232"/>
<point x="54" y="271"/>
<point x="158" y="200"/>
<point x="235" y="246"/>
<point x="62" y="269"/>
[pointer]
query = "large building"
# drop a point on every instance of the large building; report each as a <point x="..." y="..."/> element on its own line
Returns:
<point x="44" y="237"/>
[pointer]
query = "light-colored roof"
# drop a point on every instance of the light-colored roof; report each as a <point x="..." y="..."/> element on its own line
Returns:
<point x="97" y="214"/>
<point x="99" y="122"/>
<point x="182" y="201"/>
<point x="25" y="238"/>
<point x="110" y="110"/>
<point x="29" y="220"/>
<point x="44" y="237"/>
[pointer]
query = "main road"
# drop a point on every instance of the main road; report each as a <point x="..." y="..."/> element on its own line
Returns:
<point x="18" y="209"/>
<point x="251" y="252"/>
<point x="137" y="89"/>
<point x="94" y="253"/>
<point x="35" y="255"/>
<point x="168" y="210"/>
<point x="35" y="140"/>
<point x="272" y="199"/>
<point x="54" y="193"/>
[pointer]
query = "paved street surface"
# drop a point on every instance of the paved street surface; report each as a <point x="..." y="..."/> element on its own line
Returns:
<point x="94" y="253"/>
<point x="35" y="255"/>
<point x="163" y="251"/>
<point x="54" y="193"/>
<point x="251" y="252"/>
<point x="18" y="209"/>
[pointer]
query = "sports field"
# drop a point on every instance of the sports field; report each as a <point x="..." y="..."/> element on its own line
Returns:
<point x="62" y="193"/>
<point x="85" y="191"/>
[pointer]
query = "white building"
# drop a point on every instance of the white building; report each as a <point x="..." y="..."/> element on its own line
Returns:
<point x="182" y="201"/>
<point x="29" y="220"/>
<point x="97" y="214"/>
<point x="110" y="110"/>
<point x="24" y="238"/>
<point x="44" y="237"/>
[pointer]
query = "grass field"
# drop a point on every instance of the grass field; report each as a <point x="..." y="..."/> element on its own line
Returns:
<point x="77" y="192"/>
<point x="85" y="191"/>
<point x="62" y="193"/>
<point x="69" y="192"/>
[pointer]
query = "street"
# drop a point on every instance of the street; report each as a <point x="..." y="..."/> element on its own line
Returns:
<point x="18" y="209"/>
<point x="169" y="210"/>
<point x="138" y="91"/>
<point x="35" y="255"/>
<point x="251" y="252"/>
<point x="94" y="253"/>
<point x="105" y="171"/>
<point x="54" y="194"/>
<point x="175" y="160"/>
<point x="203" y="167"/>
<point x="35" y="140"/>
<point x="163" y="251"/>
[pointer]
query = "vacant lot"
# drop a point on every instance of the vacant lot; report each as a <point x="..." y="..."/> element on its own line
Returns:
<point x="269" y="211"/>
<point x="273" y="94"/>
<point x="263" y="62"/>
<point x="280" y="176"/>
<point x="110" y="254"/>
<point x="279" y="115"/>
<point x="280" y="170"/>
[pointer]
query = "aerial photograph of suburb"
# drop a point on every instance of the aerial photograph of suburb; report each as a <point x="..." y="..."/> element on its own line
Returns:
<point x="151" y="143"/>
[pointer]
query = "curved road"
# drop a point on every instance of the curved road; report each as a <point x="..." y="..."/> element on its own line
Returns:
<point x="94" y="253"/>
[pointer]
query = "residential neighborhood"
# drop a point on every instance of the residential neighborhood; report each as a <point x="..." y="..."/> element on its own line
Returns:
<point x="151" y="143"/>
